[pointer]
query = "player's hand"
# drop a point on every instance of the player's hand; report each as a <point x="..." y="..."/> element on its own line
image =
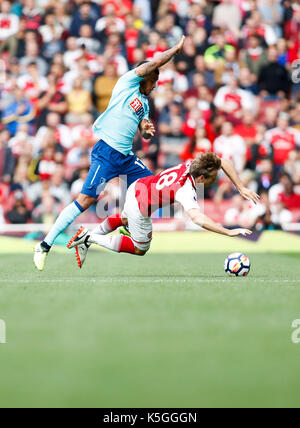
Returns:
<point x="149" y="128"/>
<point x="249" y="195"/>
<point x="180" y="44"/>
<point x="237" y="232"/>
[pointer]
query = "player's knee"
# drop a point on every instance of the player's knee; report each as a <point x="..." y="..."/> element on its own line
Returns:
<point x="139" y="252"/>
<point x="124" y="221"/>
<point x="85" y="201"/>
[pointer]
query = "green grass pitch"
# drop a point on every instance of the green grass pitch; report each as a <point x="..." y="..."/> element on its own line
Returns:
<point x="165" y="330"/>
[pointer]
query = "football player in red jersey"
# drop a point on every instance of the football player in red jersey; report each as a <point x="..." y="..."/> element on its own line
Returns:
<point x="146" y="195"/>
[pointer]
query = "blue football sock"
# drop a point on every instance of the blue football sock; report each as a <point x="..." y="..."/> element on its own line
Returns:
<point x="65" y="218"/>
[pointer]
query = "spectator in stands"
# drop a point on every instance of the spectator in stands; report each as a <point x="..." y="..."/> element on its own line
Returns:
<point x="255" y="57"/>
<point x="231" y="100"/>
<point x="199" y="144"/>
<point x="22" y="143"/>
<point x="79" y="102"/>
<point x="283" y="56"/>
<point x="32" y="14"/>
<point x="115" y="52"/>
<point x="266" y="178"/>
<point x="172" y="143"/>
<point x="51" y="33"/>
<point x="77" y="184"/>
<point x="274" y="79"/>
<point x="216" y="54"/>
<point x="20" y="179"/>
<point x="46" y="164"/>
<point x="32" y="83"/>
<point x="288" y="197"/>
<point x="271" y="12"/>
<point x="19" y="111"/>
<point x="62" y="17"/>
<point x="58" y="186"/>
<point x="61" y="132"/>
<point x="72" y="54"/>
<point x="84" y="131"/>
<point x="197" y="13"/>
<point x="224" y="191"/>
<point x="104" y="85"/>
<point x="248" y="131"/>
<point x="32" y="55"/>
<point x="84" y="15"/>
<point x="247" y="81"/>
<point x="185" y="59"/>
<point x="47" y="210"/>
<point x="227" y="15"/>
<point x="282" y="140"/>
<point x="19" y="213"/>
<point x="231" y="147"/>
<point x="270" y="117"/>
<point x="86" y="39"/>
<point x="145" y="8"/>
<point x="154" y="44"/>
<point x="295" y="116"/>
<point x="109" y="22"/>
<point x="9" y="22"/>
<point x="292" y="26"/>
<point x="51" y="100"/>
<point x="292" y="165"/>
<point x="169" y="111"/>
<point x="15" y="44"/>
<point x="208" y="75"/>
<point x="255" y="25"/>
<point x="131" y="38"/>
<point x="7" y="161"/>
<point x="239" y="213"/>
<point x="200" y="40"/>
<point x="171" y="31"/>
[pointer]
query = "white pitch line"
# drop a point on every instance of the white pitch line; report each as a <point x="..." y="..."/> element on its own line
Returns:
<point x="150" y="280"/>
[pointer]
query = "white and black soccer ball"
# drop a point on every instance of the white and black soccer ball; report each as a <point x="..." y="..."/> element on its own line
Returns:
<point x="237" y="264"/>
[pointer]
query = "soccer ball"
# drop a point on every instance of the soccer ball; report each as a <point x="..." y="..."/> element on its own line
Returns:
<point x="237" y="264"/>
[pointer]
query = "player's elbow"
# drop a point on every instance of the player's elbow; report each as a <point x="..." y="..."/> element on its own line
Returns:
<point x="147" y="68"/>
<point x="196" y="216"/>
<point x="198" y="221"/>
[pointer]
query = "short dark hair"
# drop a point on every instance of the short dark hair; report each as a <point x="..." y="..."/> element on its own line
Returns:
<point x="206" y="164"/>
<point x="285" y="174"/>
<point x="156" y="71"/>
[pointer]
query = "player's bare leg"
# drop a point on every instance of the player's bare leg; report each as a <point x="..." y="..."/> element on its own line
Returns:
<point x="66" y="217"/>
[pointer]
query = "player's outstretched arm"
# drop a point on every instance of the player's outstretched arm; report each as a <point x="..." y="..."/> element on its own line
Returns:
<point x="229" y="170"/>
<point x="159" y="60"/>
<point x="207" y="223"/>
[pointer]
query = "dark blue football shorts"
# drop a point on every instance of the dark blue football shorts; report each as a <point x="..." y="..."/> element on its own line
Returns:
<point x="108" y="163"/>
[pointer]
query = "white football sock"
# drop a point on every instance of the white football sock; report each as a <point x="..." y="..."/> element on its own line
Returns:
<point x="110" y="242"/>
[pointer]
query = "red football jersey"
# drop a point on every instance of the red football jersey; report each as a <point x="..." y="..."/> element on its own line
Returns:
<point x="283" y="143"/>
<point x="157" y="191"/>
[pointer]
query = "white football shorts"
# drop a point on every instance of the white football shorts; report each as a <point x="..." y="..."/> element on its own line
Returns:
<point x="140" y="227"/>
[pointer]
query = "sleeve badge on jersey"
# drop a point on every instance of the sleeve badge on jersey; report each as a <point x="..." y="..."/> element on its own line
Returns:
<point x="136" y="105"/>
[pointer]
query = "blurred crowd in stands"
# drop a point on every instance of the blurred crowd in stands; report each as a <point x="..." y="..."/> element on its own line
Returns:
<point x="234" y="89"/>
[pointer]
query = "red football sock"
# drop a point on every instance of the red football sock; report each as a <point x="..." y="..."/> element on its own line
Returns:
<point x="114" y="221"/>
<point x="126" y="245"/>
<point x="109" y="224"/>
